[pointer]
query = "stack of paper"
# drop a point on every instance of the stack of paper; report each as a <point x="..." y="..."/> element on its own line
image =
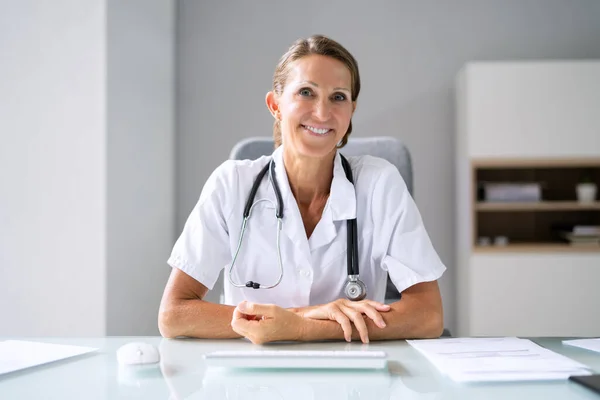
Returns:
<point x="588" y="344"/>
<point x="497" y="359"/>
<point x="18" y="354"/>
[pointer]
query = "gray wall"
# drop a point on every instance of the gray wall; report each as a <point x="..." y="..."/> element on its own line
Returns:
<point x="409" y="53"/>
<point x="140" y="141"/>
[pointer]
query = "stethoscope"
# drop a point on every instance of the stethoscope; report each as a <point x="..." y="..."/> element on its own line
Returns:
<point x="354" y="289"/>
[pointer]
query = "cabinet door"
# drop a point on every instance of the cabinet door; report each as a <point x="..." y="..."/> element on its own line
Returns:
<point x="534" y="109"/>
<point x="554" y="294"/>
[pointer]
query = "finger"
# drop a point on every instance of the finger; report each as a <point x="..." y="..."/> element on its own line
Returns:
<point x="260" y="310"/>
<point x="357" y="318"/>
<point x="239" y="314"/>
<point x="343" y="320"/>
<point x="241" y="325"/>
<point x="367" y="308"/>
<point x="379" y="306"/>
<point x="372" y="313"/>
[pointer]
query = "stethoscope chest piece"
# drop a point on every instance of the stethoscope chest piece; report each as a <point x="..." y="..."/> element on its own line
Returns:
<point x="355" y="289"/>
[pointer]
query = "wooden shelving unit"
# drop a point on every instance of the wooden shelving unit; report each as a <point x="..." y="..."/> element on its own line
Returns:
<point x="537" y="206"/>
<point x="536" y="226"/>
<point x="537" y="248"/>
<point x="538" y="162"/>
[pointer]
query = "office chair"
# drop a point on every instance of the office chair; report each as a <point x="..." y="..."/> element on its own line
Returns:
<point x="388" y="148"/>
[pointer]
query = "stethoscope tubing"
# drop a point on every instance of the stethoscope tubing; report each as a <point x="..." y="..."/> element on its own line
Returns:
<point x="352" y="234"/>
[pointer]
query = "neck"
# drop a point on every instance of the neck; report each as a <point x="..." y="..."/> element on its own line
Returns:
<point x="309" y="178"/>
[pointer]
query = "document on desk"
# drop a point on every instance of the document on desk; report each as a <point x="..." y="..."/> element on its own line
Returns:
<point x="17" y="354"/>
<point x="588" y="344"/>
<point x="497" y="359"/>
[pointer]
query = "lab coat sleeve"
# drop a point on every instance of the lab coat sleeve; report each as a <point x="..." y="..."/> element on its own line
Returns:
<point x="405" y="249"/>
<point x="202" y="250"/>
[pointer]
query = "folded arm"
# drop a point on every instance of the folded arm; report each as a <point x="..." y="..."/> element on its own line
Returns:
<point x="418" y="315"/>
<point x="184" y="313"/>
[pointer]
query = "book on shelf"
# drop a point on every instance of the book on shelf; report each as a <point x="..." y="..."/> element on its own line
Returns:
<point x="586" y="230"/>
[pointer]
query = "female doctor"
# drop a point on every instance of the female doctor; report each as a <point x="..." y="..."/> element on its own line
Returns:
<point x="306" y="236"/>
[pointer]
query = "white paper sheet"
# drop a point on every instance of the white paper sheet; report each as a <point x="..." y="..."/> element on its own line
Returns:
<point x="17" y="354"/>
<point x="588" y="344"/>
<point x="497" y="359"/>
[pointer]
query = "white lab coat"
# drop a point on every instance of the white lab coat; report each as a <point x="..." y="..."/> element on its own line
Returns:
<point x="391" y="235"/>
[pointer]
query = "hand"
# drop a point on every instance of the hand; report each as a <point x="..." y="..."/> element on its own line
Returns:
<point x="343" y="311"/>
<point x="262" y="323"/>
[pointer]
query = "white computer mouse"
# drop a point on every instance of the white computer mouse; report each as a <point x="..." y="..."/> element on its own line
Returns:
<point x="138" y="353"/>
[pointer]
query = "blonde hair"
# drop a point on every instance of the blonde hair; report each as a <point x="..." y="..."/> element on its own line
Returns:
<point x="320" y="45"/>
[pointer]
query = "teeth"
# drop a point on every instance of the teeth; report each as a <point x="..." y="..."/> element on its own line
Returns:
<point x="316" y="130"/>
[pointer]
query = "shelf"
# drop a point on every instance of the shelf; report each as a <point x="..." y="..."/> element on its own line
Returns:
<point x="538" y="248"/>
<point x="503" y="163"/>
<point x="537" y="206"/>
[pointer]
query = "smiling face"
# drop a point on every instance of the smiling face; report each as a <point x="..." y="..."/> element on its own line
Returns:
<point x="315" y="106"/>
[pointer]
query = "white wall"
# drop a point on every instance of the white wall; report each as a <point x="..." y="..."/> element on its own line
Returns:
<point x="86" y="166"/>
<point x="52" y="168"/>
<point x="409" y="53"/>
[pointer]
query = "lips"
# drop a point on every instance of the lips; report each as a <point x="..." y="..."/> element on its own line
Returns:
<point x="317" y="130"/>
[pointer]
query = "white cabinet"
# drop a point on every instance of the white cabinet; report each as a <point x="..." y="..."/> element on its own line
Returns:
<point x="520" y="123"/>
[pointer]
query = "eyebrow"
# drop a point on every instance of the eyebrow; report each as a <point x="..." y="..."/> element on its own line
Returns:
<point x="335" y="88"/>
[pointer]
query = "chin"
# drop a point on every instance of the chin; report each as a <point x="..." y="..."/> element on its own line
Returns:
<point x="312" y="145"/>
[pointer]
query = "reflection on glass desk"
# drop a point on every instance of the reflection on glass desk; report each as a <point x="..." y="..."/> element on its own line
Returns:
<point x="182" y="374"/>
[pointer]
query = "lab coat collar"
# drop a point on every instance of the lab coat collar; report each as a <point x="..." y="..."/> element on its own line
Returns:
<point x="340" y="206"/>
<point x="342" y="196"/>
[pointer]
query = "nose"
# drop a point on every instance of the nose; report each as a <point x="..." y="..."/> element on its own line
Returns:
<point x="322" y="109"/>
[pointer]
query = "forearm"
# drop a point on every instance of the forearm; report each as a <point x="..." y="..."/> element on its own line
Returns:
<point x="408" y="318"/>
<point x="196" y="318"/>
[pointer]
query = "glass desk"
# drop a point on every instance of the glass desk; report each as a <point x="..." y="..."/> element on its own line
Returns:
<point x="182" y="375"/>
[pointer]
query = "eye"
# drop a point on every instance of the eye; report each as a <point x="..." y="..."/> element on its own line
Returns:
<point x="339" y="97"/>
<point x="305" y="92"/>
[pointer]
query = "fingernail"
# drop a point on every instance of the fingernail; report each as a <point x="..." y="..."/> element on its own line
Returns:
<point x="243" y="306"/>
<point x="383" y="324"/>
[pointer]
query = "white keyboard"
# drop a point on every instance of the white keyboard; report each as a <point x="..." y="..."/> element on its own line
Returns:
<point x="346" y="359"/>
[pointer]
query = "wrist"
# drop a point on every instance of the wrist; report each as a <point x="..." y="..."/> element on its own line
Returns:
<point x="302" y="329"/>
<point x="295" y="310"/>
<point x="300" y="310"/>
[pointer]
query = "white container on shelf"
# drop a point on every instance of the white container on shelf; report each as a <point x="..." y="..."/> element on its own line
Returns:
<point x="586" y="192"/>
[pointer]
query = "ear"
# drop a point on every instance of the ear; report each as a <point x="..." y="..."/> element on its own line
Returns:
<point x="272" y="104"/>
<point x="353" y="107"/>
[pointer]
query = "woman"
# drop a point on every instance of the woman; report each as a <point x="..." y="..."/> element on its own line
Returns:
<point x="302" y="269"/>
